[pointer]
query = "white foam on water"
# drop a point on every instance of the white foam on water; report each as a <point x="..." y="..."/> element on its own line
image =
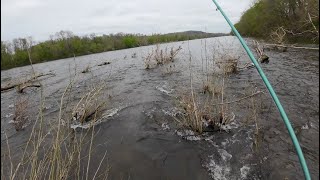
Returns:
<point x="224" y="155"/>
<point x="306" y="126"/>
<point x="217" y="172"/>
<point x="150" y="113"/>
<point x="11" y="105"/>
<point x="9" y="115"/>
<point x="165" y="126"/>
<point x="244" y="171"/>
<point x="48" y="107"/>
<point x="110" y="112"/>
<point x="193" y="138"/>
<point x="173" y="112"/>
<point x="86" y="125"/>
<point x="311" y="124"/>
<point x="188" y="135"/>
<point x="164" y="89"/>
<point x="225" y="142"/>
<point x="230" y="126"/>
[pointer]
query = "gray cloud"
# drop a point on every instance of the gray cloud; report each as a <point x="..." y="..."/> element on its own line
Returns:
<point x="40" y="18"/>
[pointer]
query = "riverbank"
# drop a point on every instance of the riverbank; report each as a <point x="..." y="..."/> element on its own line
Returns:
<point x="65" y="44"/>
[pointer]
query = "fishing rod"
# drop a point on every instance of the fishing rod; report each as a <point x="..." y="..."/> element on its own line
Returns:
<point x="272" y="93"/>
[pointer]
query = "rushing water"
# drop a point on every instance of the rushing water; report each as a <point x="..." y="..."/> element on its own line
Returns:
<point x="138" y="128"/>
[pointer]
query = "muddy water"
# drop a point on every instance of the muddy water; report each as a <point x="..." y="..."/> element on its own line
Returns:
<point x="140" y="132"/>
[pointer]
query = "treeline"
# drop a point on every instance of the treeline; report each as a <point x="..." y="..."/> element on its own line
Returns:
<point x="65" y="44"/>
<point x="282" y="21"/>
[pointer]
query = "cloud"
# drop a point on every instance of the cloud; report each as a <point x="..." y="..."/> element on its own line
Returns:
<point x="40" y="18"/>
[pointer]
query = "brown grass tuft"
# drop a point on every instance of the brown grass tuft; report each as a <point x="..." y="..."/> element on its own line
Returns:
<point x="87" y="107"/>
<point x="160" y="56"/>
<point x="20" y="113"/>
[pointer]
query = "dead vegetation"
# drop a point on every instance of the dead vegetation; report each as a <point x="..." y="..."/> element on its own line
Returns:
<point x="87" y="107"/>
<point x="279" y="35"/>
<point x="192" y="118"/>
<point x="199" y="113"/>
<point x="54" y="152"/>
<point x="228" y="66"/>
<point x="169" y="69"/>
<point x="263" y="58"/>
<point x="212" y="87"/>
<point x="160" y="56"/>
<point x="284" y="47"/>
<point x="21" y="85"/>
<point x="202" y="115"/>
<point x="212" y="109"/>
<point x="20" y="113"/>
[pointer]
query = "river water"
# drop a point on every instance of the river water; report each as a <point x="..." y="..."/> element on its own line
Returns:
<point x="140" y="133"/>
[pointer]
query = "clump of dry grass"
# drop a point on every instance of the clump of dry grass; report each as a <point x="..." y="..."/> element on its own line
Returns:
<point x="87" y="107"/>
<point x="228" y="65"/>
<point x="169" y="69"/>
<point x="148" y="60"/>
<point x="212" y="109"/>
<point x="212" y="87"/>
<point x="192" y="112"/>
<point x="54" y="152"/>
<point x="204" y="114"/>
<point x="160" y="56"/>
<point x="20" y="113"/>
<point x="209" y="112"/>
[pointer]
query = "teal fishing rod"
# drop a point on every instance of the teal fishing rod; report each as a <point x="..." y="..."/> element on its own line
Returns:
<point x="273" y="95"/>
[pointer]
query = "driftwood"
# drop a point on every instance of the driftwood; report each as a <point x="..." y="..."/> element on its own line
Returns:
<point x="263" y="58"/>
<point x="8" y="86"/>
<point x="33" y="78"/>
<point x="104" y="63"/>
<point x="246" y="66"/>
<point x="21" y="87"/>
<point x="40" y="75"/>
<point x="294" y="47"/>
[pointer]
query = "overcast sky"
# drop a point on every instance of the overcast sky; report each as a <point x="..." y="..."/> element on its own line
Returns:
<point x="41" y="18"/>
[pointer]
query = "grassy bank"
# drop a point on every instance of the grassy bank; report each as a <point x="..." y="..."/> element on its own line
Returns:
<point x="65" y="44"/>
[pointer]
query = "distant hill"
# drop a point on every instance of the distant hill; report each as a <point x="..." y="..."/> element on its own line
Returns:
<point x="198" y="33"/>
